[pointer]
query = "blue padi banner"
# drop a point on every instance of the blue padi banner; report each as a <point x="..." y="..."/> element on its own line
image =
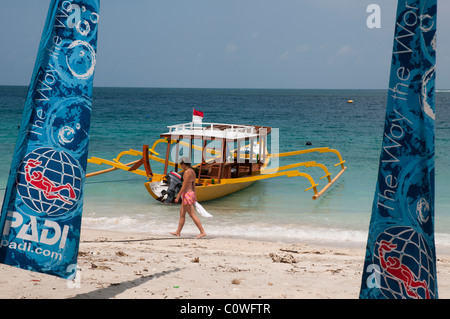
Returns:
<point x="400" y="258"/>
<point x="41" y="213"/>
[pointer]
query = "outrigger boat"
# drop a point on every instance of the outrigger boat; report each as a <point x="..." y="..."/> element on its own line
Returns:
<point x="238" y="159"/>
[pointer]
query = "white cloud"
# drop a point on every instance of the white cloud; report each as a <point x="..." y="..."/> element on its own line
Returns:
<point x="285" y="55"/>
<point x="343" y="51"/>
<point x="231" y="48"/>
<point x="298" y="50"/>
<point x="302" y="48"/>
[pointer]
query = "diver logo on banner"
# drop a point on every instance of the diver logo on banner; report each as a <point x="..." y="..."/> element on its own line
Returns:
<point x="49" y="183"/>
<point x="406" y="264"/>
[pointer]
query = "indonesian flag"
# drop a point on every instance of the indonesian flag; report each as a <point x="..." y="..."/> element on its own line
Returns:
<point x="197" y="116"/>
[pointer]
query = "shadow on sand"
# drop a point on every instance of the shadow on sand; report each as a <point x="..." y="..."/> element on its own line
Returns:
<point x="117" y="288"/>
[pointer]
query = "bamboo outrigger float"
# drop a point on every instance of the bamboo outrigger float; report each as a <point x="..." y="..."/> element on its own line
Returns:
<point x="240" y="159"/>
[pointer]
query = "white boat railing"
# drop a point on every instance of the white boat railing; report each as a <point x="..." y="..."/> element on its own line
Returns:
<point x="212" y="127"/>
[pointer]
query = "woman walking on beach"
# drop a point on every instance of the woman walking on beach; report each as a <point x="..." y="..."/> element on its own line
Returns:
<point x="187" y="193"/>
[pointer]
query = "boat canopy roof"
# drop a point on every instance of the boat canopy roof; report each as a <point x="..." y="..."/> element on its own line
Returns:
<point x="199" y="130"/>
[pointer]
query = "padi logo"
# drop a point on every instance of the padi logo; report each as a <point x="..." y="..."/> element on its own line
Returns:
<point x="49" y="182"/>
<point x="49" y="233"/>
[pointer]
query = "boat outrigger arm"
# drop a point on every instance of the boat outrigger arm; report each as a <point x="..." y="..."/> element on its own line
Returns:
<point x="225" y="177"/>
<point x="327" y="175"/>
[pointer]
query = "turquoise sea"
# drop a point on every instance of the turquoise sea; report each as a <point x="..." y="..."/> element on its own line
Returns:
<point x="275" y="209"/>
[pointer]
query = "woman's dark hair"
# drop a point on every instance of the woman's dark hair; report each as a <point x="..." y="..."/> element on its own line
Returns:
<point x="185" y="161"/>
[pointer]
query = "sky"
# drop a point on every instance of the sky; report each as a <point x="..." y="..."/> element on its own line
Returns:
<point x="295" y="44"/>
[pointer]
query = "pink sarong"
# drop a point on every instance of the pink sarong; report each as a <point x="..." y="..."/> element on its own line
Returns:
<point x="189" y="198"/>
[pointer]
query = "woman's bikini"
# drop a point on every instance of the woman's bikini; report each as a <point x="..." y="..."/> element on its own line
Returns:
<point x="189" y="196"/>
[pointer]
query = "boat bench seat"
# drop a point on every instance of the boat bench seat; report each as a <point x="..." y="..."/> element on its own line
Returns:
<point x="230" y="170"/>
<point x="212" y="170"/>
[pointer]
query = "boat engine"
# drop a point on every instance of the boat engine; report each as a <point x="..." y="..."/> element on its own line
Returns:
<point x="175" y="181"/>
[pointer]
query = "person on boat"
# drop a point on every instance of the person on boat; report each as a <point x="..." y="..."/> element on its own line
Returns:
<point x="187" y="194"/>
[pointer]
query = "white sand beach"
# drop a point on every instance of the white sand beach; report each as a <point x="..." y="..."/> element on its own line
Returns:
<point x="120" y="265"/>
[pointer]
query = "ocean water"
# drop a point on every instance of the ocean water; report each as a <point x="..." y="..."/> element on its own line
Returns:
<point x="276" y="209"/>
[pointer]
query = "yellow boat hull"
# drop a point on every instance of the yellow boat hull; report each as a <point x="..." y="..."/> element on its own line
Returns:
<point x="209" y="192"/>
